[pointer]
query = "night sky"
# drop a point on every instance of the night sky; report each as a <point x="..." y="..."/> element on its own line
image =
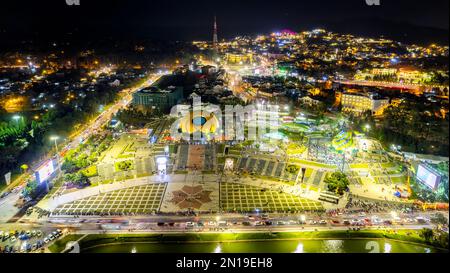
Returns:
<point x="192" y="19"/>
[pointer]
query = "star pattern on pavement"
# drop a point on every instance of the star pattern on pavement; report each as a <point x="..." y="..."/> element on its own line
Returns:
<point x="191" y="197"/>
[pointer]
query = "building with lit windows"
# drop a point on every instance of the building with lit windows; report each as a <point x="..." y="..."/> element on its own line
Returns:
<point x="412" y="76"/>
<point x="359" y="103"/>
<point x="152" y="97"/>
<point x="239" y="58"/>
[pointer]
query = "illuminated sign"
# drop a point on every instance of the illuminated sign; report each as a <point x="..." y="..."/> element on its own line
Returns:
<point x="428" y="177"/>
<point x="45" y="171"/>
<point x="161" y="163"/>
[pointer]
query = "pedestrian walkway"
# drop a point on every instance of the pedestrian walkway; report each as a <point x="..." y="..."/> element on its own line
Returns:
<point x="52" y="203"/>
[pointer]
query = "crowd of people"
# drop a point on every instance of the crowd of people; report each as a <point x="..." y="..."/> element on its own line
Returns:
<point x="369" y="206"/>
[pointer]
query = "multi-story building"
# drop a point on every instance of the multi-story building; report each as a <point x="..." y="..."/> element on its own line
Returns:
<point x="152" y="97"/>
<point x="239" y="58"/>
<point x="412" y="76"/>
<point x="359" y="103"/>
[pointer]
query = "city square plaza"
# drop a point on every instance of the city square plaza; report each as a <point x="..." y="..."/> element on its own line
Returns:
<point x="255" y="177"/>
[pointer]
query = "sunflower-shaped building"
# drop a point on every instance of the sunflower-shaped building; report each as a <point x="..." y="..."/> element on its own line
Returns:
<point x="199" y="121"/>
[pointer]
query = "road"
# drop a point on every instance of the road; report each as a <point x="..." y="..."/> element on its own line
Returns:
<point x="105" y="116"/>
<point x="229" y="223"/>
<point x="90" y="128"/>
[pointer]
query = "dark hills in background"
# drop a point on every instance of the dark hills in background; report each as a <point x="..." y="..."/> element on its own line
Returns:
<point x="366" y="27"/>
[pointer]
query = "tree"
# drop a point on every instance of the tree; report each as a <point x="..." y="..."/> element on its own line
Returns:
<point x="69" y="166"/>
<point x="442" y="240"/>
<point x="124" y="165"/>
<point x="337" y="182"/>
<point x="439" y="219"/>
<point x="292" y="169"/>
<point x="76" y="178"/>
<point x="426" y="234"/>
<point x="24" y="168"/>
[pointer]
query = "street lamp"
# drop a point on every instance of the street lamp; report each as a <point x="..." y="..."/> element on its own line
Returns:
<point x="367" y="127"/>
<point x="55" y="138"/>
<point x="16" y="118"/>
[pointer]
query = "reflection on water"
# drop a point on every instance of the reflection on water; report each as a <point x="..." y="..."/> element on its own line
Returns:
<point x="299" y="248"/>
<point x="288" y="246"/>
<point x="333" y="246"/>
<point x="218" y="249"/>
<point x="387" y="247"/>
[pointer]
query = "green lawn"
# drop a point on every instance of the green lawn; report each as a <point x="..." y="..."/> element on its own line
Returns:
<point x="388" y="165"/>
<point x="310" y="163"/>
<point x="60" y="244"/>
<point x="359" y="166"/>
<point x="90" y="171"/>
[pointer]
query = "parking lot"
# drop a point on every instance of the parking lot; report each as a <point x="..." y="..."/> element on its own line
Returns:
<point x="239" y="197"/>
<point x="21" y="241"/>
<point x="140" y="199"/>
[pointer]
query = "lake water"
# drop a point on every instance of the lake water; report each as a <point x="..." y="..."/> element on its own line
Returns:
<point x="294" y="246"/>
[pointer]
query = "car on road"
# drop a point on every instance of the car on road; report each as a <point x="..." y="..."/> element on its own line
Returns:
<point x="23" y="237"/>
<point x="23" y="247"/>
<point x="5" y="194"/>
<point x="190" y="225"/>
<point x="323" y="222"/>
<point x="259" y="223"/>
<point x="7" y="249"/>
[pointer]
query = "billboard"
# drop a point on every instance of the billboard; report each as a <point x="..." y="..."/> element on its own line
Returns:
<point x="427" y="176"/>
<point x="45" y="171"/>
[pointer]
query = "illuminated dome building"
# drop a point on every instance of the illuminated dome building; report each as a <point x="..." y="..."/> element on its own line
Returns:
<point x="239" y="58"/>
<point x="199" y="121"/>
